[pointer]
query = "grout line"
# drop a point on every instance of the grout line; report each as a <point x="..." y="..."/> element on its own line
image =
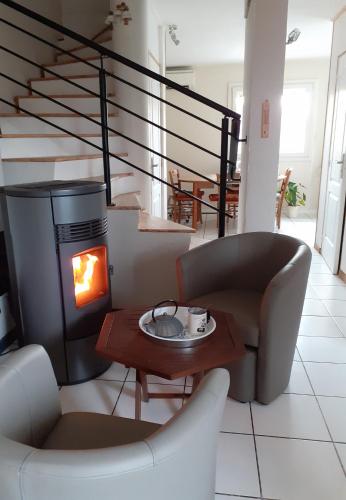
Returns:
<point x="120" y="392"/>
<point x="325" y="421"/>
<point x="284" y="437"/>
<point x="338" y="327"/>
<point x="255" y="445"/>
<point x="244" y="496"/>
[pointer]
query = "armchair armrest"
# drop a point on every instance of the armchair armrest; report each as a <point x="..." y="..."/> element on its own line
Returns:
<point x="281" y="311"/>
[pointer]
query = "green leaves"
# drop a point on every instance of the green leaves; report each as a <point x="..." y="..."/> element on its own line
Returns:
<point x="294" y="196"/>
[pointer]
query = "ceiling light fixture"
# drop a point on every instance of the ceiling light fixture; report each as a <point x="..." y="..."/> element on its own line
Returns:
<point x="293" y="36"/>
<point x="172" y="28"/>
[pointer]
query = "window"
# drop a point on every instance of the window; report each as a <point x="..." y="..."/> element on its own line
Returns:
<point x="295" y="140"/>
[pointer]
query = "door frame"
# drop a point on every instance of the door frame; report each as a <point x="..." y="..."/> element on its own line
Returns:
<point x="341" y="221"/>
<point x="161" y="71"/>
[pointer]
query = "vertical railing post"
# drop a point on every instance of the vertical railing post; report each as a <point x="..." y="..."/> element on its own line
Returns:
<point x="223" y="176"/>
<point x="104" y="126"/>
<point x="233" y="150"/>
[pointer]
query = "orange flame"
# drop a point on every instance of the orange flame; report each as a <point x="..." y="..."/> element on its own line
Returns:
<point x="83" y="271"/>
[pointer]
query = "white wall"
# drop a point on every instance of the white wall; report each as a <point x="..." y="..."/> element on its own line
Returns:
<point x="338" y="47"/>
<point x="135" y="41"/>
<point x="84" y="16"/>
<point x="25" y="45"/>
<point x="212" y="81"/>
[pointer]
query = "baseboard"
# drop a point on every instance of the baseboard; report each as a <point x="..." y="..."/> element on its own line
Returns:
<point x="342" y="275"/>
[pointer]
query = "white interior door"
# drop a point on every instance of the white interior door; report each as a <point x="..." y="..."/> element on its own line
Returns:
<point x="335" y="200"/>
<point x="155" y="142"/>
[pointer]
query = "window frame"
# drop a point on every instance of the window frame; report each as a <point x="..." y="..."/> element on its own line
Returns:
<point x="235" y="88"/>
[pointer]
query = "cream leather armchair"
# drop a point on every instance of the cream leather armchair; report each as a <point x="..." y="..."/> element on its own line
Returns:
<point x="261" y="279"/>
<point x="45" y="455"/>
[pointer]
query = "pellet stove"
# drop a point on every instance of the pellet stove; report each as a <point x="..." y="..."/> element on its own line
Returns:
<point x="56" y="243"/>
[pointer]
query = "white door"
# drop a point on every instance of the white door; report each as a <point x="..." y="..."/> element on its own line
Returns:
<point x="335" y="199"/>
<point x="155" y="142"/>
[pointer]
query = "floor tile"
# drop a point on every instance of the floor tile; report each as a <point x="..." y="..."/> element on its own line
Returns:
<point x="314" y="307"/>
<point x="299" y="382"/>
<point x="290" y="415"/>
<point x="334" y="411"/>
<point x="293" y="469"/>
<point x="341" y="322"/>
<point x="322" y="349"/>
<point x="115" y="372"/>
<point x="325" y="279"/>
<point x="236" y="469"/>
<point x="156" y="410"/>
<point x="97" y="396"/>
<point x="327" y="379"/>
<point x="310" y="293"/>
<point x="330" y="292"/>
<point x="319" y="326"/>
<point x="236" y="417"/>
<point x="336" y="307"/>
<point x="319" y="268"/>
<point x="342" y="453"/>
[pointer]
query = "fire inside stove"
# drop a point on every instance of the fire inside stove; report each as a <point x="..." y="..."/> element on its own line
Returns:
<point x="90" y="275"/>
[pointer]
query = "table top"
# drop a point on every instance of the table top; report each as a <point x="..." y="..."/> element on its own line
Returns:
<point x="121" y="340"/>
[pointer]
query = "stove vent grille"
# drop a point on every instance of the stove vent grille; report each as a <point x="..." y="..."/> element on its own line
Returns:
<point x="79" y="231"/>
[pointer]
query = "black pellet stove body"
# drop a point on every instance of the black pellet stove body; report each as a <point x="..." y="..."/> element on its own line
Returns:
<point x="56" y="243"/>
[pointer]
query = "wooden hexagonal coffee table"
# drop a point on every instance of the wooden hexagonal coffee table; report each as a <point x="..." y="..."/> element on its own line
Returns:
<point x="121" y="340"/>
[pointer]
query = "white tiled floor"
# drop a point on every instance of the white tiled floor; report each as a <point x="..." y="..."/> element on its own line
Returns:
<point x="292" y="449"/>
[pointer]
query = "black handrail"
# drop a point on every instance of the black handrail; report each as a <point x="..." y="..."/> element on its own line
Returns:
<point x="123" y="60"/>
<point x="109" y="129"/>
<point x="117" y="157"/>
<point x="116" y="77"/>
<point x="104" y="52"/>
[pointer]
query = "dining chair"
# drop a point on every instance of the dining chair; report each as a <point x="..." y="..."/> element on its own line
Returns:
<point x="232" y="197"/>
<point x="182" y="204"/>
<point x="47" y="455"/>
<point x="280" y="195"/>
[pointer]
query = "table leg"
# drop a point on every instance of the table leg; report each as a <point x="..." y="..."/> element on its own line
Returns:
<point x="138" y="396"/>
<point x="144" y="384"/>
<point x="197" y="377"/>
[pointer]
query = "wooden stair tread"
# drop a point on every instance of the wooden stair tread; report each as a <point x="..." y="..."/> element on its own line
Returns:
<point x="61" y="96"/>
<point x="126" y="201"/>
<point x="149" y="223"/>
<point x="63" y="77"/>
<point x="50" y="159"/>
<point x="80" y="47"/>
<point x="51" y="136"/>
<point x="100" y="178"/>
<point x="91" y="58"/>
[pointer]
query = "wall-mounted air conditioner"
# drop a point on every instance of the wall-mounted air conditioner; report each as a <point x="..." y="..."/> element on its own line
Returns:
<point x="183" y="75"/>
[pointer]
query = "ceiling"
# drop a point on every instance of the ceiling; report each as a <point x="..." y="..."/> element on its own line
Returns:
<point x="213" y="32"/>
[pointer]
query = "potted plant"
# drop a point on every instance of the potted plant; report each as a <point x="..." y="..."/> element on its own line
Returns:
<point x="295" y="198"/>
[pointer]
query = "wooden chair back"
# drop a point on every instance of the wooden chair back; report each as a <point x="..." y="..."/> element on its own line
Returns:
<point x="281" y="194"/>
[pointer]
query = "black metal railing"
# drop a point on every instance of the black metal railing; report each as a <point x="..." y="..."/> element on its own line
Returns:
<point x="229" y="139"/>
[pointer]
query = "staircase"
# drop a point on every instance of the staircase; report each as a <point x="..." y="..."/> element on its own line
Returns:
<point x="33" y="150"/>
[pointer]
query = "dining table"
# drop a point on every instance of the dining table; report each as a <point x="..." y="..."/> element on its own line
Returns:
<point x="199" y="183"/>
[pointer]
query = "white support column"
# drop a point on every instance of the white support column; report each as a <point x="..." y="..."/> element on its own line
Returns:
<point x="263" y="80"/>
